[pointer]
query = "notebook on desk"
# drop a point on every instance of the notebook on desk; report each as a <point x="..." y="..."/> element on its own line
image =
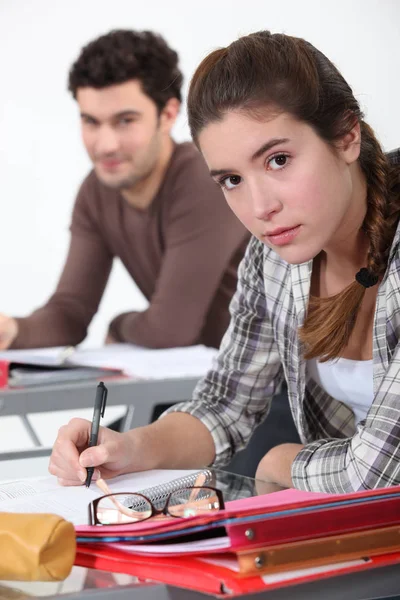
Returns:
<point x="40" y="366"/>
<point x="264" y="542"/>
<point x="44" y="366"/>
<point x="45" y="495"/>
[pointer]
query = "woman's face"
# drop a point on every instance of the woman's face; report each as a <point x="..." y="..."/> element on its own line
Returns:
<point x="284" y="183"/>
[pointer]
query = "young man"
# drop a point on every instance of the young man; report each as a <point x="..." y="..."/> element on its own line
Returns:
<point x="148" y="201"/>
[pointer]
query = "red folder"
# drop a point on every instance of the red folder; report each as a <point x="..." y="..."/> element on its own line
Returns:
<point x="4" y="370"/>
<point x="290" y="526"/>
<point x="213" y="576"/>
<point x="254" y="527"/>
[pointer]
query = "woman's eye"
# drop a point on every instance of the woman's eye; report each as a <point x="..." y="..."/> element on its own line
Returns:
<point x="277" y="162"/>
<point x="231" y="182"/>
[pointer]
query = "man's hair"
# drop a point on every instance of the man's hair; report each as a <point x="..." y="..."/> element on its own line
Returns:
<point x="123" y="55"/>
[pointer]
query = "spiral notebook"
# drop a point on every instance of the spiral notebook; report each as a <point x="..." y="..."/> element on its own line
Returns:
<point x="159" y="493"/>
<point x="45" y="495"/>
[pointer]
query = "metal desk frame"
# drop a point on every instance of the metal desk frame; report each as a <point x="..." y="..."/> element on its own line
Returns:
<point x="140" y="397"/>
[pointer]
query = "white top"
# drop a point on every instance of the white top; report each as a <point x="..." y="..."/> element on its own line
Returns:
<point x="349" y="381"/>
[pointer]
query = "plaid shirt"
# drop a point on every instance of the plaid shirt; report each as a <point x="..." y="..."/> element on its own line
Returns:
<point x="261" y="349"/>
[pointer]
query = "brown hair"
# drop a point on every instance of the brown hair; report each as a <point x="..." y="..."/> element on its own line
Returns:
<point x="277" y="71"/>
<point x="122" y="55"/>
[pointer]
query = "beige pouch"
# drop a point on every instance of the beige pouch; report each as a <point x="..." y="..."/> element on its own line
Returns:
<point x="37" y="547"/>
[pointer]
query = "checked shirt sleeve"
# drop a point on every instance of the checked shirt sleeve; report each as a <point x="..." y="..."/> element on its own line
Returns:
<point x="368" y="460"/>
<point x="235" y="395"/>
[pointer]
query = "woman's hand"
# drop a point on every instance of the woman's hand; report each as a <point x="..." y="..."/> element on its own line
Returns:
<point x="71" y="454"/>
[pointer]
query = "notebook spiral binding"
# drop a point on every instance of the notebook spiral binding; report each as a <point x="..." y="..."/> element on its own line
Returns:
<point x="158" y="493"/>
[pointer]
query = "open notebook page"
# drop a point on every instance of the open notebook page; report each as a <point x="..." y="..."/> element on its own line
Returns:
<point x="44" y="495"/>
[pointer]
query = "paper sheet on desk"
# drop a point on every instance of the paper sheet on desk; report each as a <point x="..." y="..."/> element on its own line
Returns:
<point x="136" y="361"/>
<point x="45" y="495"/>
<point x="55" y="356"/>
<point x="193" y="361"/>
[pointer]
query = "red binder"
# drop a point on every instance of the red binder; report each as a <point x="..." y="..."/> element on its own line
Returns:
<point x="4" y="370"/>
<point x="213" y="577"/>
<point x="255" y="527"/>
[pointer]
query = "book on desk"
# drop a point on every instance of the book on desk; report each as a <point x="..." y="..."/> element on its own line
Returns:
<point x="44" y="366"/>
<point x="254" y="544"/>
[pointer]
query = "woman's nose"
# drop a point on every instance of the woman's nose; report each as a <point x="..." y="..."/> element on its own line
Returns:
<point x="265" y="204"/>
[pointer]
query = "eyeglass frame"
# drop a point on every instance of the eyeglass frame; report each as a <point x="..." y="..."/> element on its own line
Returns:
<point x="92" y="506"/>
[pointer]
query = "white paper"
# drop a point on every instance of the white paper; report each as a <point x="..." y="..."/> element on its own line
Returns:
<point x="217" y="543"/>
<point x="39" y="356"/>
<point x="191" y="361"/>
<point x="45" y="495"/>
<point x="135" y="361"/>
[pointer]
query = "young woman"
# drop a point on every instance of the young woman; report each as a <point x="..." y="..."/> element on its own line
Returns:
<point x="317" y="303"/>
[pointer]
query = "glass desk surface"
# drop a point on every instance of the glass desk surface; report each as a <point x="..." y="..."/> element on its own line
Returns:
<point x="83" y="584"/>
<point x="80" y="579"/>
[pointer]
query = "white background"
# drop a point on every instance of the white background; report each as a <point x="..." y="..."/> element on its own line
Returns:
<point x="42" y="161"/>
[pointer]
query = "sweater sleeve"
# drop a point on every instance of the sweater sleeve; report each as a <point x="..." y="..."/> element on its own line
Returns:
<point x="64" y="319"/>
<point x="202" y="235"/>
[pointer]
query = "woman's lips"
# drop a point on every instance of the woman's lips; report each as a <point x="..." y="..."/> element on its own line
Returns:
<point x="283" y="236"/>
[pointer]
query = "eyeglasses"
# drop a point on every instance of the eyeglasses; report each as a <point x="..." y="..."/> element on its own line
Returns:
<point x="125" y="507"/>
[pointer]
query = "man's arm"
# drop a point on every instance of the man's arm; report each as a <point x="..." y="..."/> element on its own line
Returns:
<point x="203" y="235"/>
<point x="64" y="319"/>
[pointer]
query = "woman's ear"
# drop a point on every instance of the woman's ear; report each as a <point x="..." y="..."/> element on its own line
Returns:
<point x="350" y="143"/>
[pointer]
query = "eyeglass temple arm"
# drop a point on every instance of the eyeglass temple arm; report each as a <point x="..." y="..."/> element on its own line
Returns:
<point x="123" y="509"/>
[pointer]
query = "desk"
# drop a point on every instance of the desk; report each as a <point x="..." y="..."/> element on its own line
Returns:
<point x="90" y="584"/>
<point x="374" y="584"/>
<point x="139" y="396"/>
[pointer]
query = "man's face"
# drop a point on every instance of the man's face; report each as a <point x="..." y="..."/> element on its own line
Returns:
<point x="121" y="133"/>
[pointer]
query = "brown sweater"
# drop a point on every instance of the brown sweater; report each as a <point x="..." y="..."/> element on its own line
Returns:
<point x="182" y="252"/>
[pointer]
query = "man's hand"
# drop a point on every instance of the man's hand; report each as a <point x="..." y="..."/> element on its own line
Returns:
<point x="276" y="466"/>
<point x="109" y="339"/>
<point x="8" y="331"/>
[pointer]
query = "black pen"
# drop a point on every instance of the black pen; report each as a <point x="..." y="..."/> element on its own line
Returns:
<point x="99" y="408"/>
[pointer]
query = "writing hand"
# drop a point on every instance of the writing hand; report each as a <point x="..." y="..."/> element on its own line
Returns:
<point x="71" y="455"/>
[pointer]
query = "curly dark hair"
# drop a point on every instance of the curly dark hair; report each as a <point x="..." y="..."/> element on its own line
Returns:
<point x="122" y="55"/>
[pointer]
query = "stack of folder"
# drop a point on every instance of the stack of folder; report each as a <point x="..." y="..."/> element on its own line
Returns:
<point x="259" y="543"/>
